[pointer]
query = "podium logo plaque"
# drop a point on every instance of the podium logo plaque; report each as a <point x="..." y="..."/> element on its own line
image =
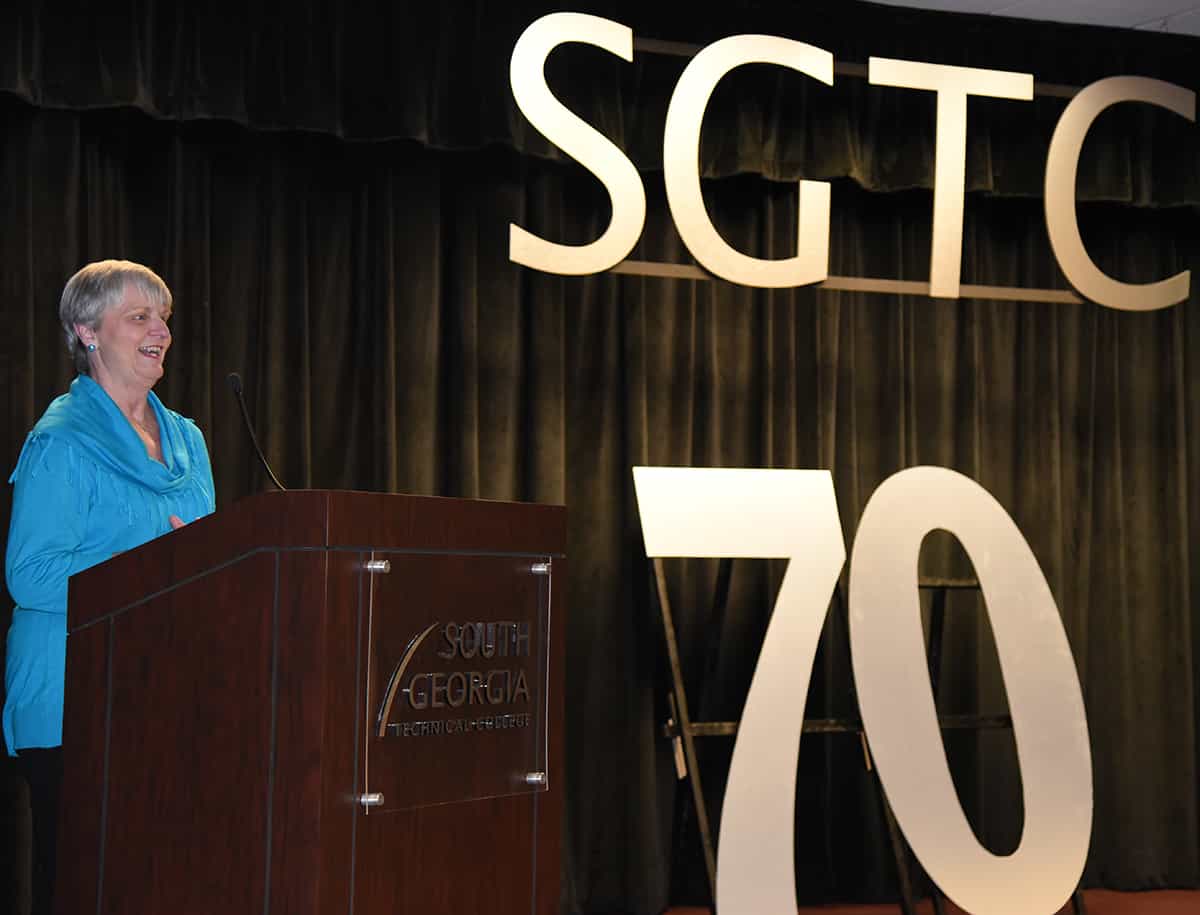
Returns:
<point x="455" y="680"/>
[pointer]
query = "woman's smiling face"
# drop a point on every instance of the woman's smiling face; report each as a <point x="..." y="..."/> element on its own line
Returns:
<point x="131" y="341"/>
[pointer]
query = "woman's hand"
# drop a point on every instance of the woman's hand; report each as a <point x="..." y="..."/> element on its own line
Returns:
<point x="176" y="522"/>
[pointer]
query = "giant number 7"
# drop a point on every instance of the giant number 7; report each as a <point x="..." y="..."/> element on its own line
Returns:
<point x="793" y="514"/>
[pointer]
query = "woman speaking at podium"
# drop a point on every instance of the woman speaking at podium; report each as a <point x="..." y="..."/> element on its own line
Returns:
<point x="105" y="469"/>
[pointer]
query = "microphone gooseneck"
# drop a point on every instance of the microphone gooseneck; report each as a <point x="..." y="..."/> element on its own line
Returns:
<point x="235" y="382"/>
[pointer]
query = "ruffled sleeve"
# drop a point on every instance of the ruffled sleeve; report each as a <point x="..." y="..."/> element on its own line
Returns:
<point x="49" y="517"/>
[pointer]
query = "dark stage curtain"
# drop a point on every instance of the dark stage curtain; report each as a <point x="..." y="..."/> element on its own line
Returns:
<point x="437" y="74"/>
<point x="364" y="290"/>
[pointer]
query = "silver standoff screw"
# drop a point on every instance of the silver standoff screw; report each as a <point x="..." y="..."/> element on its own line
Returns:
<point x="377" y="566"/>
<point x="374" y="799"/>
<point x="540" y="568"/>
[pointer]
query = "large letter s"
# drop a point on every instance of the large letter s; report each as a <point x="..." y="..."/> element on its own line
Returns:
<point x="579" y="140"/>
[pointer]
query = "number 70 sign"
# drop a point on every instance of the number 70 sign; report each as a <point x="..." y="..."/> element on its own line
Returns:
<point x="793" y="515"/>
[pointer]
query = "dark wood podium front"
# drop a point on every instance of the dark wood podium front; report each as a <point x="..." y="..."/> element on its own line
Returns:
<point x="319" y="702"/>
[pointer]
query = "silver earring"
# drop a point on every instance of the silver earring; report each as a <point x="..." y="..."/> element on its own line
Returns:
<point x="91" y="347"/>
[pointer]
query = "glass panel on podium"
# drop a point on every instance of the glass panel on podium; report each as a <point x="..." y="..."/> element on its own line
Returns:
<point x="456" y="678"/>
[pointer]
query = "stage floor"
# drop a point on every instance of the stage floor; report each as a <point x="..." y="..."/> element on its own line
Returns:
<point x="1097" y="902"/>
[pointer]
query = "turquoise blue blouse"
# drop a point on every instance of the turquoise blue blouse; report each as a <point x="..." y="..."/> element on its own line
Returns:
<point x="85" y="488"/>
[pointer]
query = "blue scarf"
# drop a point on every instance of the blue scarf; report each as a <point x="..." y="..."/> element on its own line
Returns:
<point x="88" y="419"/>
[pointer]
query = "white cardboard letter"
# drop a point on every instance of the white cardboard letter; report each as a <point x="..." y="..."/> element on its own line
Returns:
<point x="579" y="140"/>
<point x="952" y="85"/>
<point x="681" y="156"/>
<point x="1062" y="168"/>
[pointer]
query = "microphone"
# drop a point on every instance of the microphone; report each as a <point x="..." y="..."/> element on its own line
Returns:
<point x="235" y="382"/>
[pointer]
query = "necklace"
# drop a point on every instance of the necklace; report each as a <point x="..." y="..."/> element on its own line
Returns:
<point x="151" y="442"/>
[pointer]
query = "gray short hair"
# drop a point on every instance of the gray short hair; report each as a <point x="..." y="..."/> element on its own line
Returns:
<point x="97" y="287"/>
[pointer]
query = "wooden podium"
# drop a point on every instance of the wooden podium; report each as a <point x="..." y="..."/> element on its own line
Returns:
<point x="319" y="702"/>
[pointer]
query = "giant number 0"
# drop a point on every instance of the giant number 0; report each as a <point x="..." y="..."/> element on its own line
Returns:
<point x="793" y="514"/>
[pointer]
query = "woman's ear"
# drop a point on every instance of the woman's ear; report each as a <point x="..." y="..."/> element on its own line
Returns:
<point x="86" y="334"/>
